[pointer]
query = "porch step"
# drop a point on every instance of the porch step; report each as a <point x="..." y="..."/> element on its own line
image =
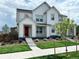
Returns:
<point x="31" y="44"/>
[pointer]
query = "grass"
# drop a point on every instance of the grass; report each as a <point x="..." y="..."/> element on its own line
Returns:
<point x="51" y="43"/>
<point x="14" y="48"/>
<point x="71" y="55"/>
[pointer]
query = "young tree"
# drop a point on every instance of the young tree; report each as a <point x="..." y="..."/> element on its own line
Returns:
<point x="63" y="28"/>
<point x="5" y="29"/>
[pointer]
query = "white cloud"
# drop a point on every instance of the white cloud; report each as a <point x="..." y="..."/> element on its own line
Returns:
<point x="8" y="8"/>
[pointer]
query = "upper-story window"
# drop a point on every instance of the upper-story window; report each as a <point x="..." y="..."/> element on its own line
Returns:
<point x="39" y="18"/>
<point x="52" y="17"/>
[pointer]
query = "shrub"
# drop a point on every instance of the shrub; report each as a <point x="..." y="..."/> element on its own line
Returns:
<point x="11" y="37"/>
<point x="1" y="37"/>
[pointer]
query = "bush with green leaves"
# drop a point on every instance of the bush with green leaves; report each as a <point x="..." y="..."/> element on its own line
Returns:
<point x="11" y="37"/>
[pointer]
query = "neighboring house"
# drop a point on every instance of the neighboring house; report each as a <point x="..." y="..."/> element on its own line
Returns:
<point x="1" y="32"/>
<point x="39" y="22"/>
<point x="12" y="29"/>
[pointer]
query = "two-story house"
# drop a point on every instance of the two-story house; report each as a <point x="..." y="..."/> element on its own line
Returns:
<point x="39" y="22"/>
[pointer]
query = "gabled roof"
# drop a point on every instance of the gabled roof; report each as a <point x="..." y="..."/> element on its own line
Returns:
<point x="63" y="15"/>
<point x="30" y="11"/>
<point x="24" y="10"/>
<point x="54" y="8"/>
<point x="58" y="12"/>
<point x="41" y="5"/>
<point x="18" y="9"/>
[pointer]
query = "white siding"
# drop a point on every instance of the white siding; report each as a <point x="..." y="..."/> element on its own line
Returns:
<point x="33" y="30"/>
<point x="45" y="18"/>
<point x="52" y="22"/>
<point x="55" y="13"/>
<point x="52" y="27"/>
<point x="48" y="31"/>
<point x="40" y="11"/>
<point x="21" y="30"/>
<point x="44" y="10"/>
<point x="22" y="16"/>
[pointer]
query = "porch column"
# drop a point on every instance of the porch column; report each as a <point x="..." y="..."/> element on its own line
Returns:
<point x="48" y="31"/>
<point x="33" y="31"/>
<point x="21" y="30"/>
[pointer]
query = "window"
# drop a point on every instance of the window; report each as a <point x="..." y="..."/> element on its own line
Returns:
<point x="52" y="17"/>
<point x="39" y="30"/>
<point x="53" y="30"/>
<point x="39" y="18"/>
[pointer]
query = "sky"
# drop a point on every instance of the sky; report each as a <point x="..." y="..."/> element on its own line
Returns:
<point x="8" y="9"/>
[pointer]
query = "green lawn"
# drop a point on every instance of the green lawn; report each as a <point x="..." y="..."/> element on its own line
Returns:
<point x="71" y="55"/>
<point x="14" y="48"/>
<point x="50" y="43"/>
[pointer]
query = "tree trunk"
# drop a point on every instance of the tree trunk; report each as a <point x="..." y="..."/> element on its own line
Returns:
<point x="66" y="47"/>
<point x="54" y="48"/>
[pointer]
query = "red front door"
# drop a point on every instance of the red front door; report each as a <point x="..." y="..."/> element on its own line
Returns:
<point x="26" y="31"/>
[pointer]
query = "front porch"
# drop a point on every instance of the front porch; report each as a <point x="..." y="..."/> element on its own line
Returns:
<point x="41" y="31"/>
<point x="28" y="30"/>
<point x="33" y="31"/>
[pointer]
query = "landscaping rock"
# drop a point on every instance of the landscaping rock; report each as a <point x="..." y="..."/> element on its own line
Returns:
<point x="3" y="44"/>
<point x="36" y="40"/>
<point x="57" y="38"/>
<point x="45" y="39"/>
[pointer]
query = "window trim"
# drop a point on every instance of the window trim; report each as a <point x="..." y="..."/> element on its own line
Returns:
<point x="52" y="17"/>
<point x="41" y="20"/>
<point x="39" y="30"/>
<point x="39" y="17"/>
<point x="53" y="29"/>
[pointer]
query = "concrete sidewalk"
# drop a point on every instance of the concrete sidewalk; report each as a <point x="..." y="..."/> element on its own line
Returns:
<point x="36" y="53"/>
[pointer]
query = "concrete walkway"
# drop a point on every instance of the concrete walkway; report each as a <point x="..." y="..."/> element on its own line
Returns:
<point x="31" y="44"/>
<point x="36" y="53"/>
